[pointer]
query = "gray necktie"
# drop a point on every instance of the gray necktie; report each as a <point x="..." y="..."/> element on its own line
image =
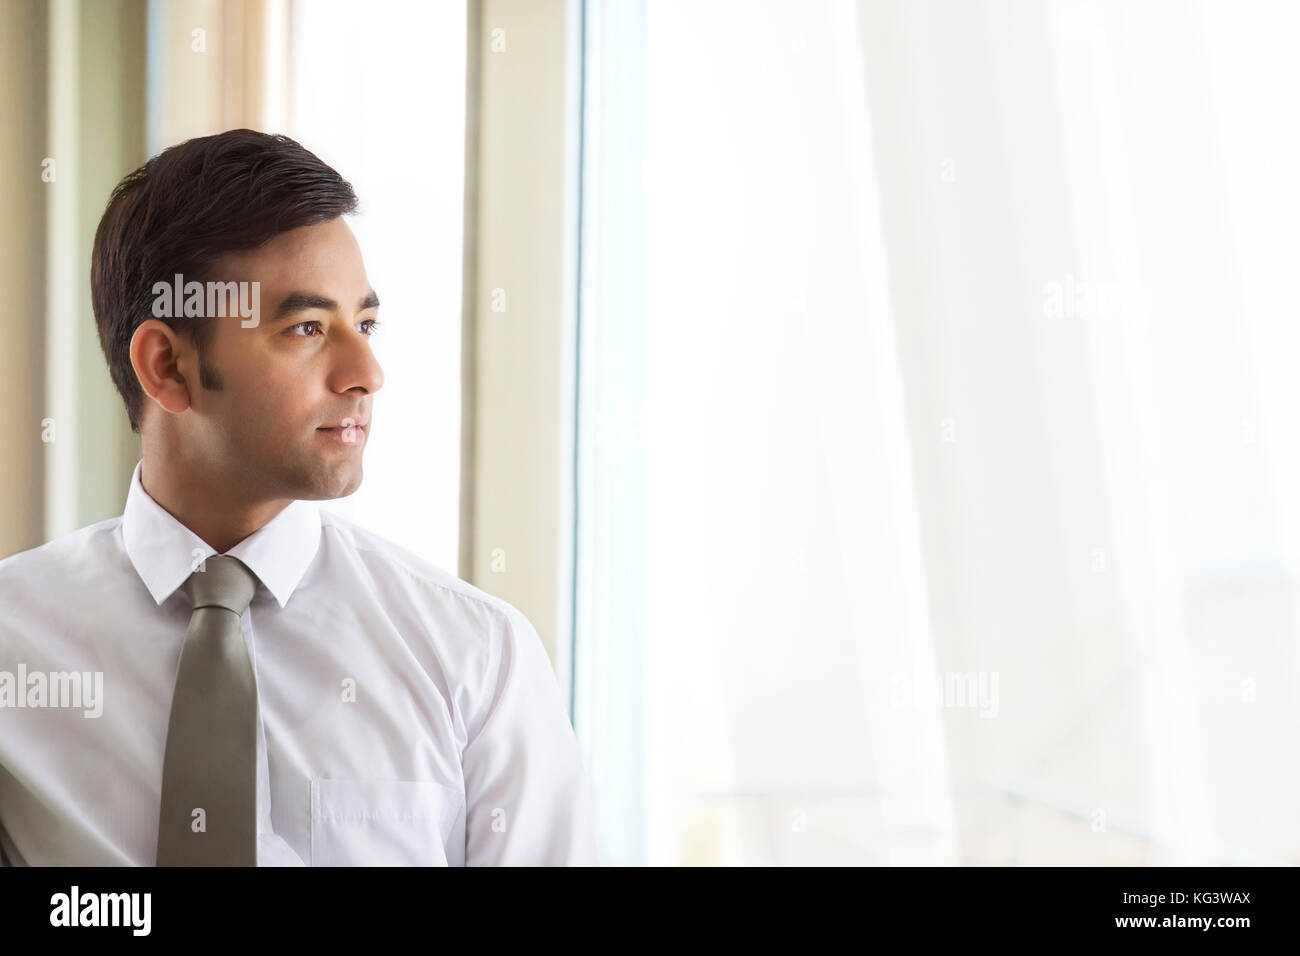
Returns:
<point x="210" y="762"/>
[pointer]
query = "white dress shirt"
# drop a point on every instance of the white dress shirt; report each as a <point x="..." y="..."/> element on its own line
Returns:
<point x="407" y="717"/>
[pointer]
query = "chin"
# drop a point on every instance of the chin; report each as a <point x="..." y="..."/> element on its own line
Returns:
<point x="347" y="483"/>
<point x="328" y="485"/>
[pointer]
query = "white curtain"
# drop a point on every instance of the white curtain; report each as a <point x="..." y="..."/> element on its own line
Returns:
<point x="970" y="502"/>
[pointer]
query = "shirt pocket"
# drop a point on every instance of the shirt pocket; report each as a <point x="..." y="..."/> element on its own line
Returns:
<point x="381" y="822"/>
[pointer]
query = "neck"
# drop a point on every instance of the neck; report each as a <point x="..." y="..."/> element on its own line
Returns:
<point x="213" y="504"/>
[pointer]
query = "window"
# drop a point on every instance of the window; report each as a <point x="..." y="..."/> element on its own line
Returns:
<point x="934" y="502"/>
<point x="378" y="92"/>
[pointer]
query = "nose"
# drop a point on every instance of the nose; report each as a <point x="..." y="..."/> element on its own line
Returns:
<point x="356" y="366"/>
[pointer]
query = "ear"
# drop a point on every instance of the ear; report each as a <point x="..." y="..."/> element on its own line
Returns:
<point x="155" y="352"/>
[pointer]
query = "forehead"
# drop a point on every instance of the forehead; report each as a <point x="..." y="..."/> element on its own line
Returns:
<point x="317" y="258"/>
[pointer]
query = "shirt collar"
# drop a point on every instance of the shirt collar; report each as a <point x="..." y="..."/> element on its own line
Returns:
<point x="165" y="552"/>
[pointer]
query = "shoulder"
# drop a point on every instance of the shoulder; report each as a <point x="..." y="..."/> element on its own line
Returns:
<point x="54" y="577"/>
<point x="391" y="563"/>
<point x="61" y="547"/>
<point x="485" y="640"/>
<point x="53" y="563"/>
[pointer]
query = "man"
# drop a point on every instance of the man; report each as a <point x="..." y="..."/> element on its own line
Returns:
<point x="226" y="674"/>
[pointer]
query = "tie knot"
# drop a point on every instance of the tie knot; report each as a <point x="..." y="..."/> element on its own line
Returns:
<point x="223" y="581"/>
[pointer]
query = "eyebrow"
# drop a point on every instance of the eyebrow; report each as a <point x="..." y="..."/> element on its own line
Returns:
<point x="301" y="301"/>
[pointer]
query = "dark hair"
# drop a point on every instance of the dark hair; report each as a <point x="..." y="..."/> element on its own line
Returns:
<point x="183" y="209"/>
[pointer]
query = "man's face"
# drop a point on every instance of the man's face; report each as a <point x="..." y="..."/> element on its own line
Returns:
<point x="304" y="367"/>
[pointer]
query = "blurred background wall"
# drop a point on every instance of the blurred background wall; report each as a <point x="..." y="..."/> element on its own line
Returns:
<point x="73" y="121"/>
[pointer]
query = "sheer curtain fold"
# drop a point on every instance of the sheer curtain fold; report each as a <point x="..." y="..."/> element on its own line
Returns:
<point x="1057" y="224"/>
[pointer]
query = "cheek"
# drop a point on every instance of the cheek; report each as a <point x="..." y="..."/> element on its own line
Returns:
<point x="275" y="401"/>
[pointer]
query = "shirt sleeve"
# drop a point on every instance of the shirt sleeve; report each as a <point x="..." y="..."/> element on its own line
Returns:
<point x="527" y="798"/>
